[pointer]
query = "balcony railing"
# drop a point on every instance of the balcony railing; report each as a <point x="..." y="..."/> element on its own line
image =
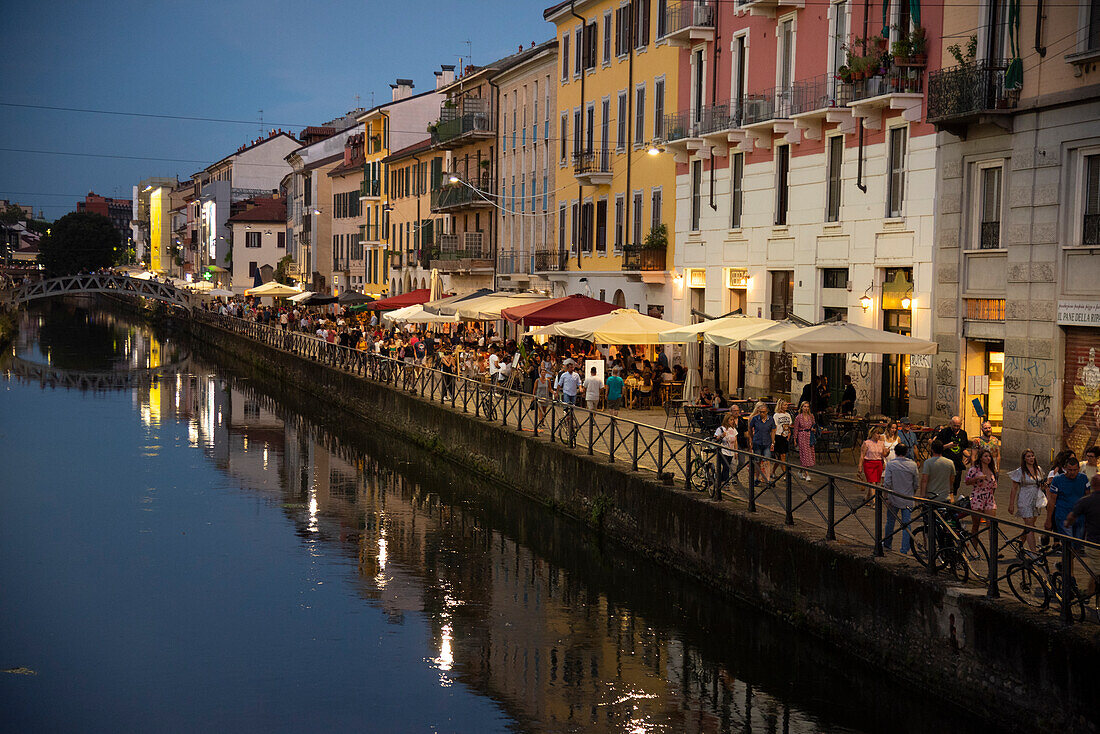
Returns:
<point x="476" y="192"/>
<point x="691" y="123"/>
<point x="550" y="260"/>
<point x="370" y="187"/>
<point x="990" y="236"/>
<point x="1091" y="232"/>
<point x="897" y="80"/>
<point x="591" y="161"/>
<point x="514" y="262"/>
<point x="688" y="14"/>
<point x="472" y="245"/>
<point x="470" y="118"/>
<point x="771" y="104"/>
<point x="646" y="259"/>
<point x="969" y="90"/>
<point x="821" y="92"/>
<point x="370" y="233"/>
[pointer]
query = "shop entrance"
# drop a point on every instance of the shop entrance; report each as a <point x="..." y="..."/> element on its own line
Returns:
<point x="985" y="384"/>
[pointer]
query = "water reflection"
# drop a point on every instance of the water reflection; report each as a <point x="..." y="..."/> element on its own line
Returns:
<point x="520" y="606"/>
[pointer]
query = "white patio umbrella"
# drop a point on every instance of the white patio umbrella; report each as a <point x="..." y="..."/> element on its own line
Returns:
<point x="219" y="292"/>
<point x="301" y="296"/>
<point x="724" y="332"/>
<point x="837" y="338"/>
<point x="621" y="326"/>
<point x="692" y="378"/>
<point x="417" y="315"/>
<point x="488" y="308"/>
<point x="435" y="285"/>
<point x="398" y="315"/>
<point x="272" y="289"/>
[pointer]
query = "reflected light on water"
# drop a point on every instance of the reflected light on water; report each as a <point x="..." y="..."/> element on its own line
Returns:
<point x="446" y="657"/>
<point x="313" y="526"/>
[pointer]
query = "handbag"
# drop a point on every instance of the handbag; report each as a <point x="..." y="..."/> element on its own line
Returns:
<point x="1040" y="499"/>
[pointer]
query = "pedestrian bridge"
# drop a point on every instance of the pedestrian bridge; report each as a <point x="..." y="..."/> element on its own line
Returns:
<point x="99" y="381"/>
<point x="119" y="285"/>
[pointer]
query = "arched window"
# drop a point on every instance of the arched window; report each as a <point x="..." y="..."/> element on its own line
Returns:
<point x="620" y="299"/>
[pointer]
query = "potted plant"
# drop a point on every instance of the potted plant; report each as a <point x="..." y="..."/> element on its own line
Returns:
<point x="918" y="46"/>
<point x="902" y="48"/>
<point x="844" y="74"/>
<point x="964" y="58"/>
<point x="657" y="239"/>
<point x="485" y="163"/>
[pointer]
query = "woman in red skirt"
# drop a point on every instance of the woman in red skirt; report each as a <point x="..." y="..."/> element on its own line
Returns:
<point x="872" y="458"/>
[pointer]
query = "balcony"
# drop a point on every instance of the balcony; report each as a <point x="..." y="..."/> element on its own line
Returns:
<point x="639" y="258"/>
<point x="701" y="130"/>
<point x="370" y="234"/>
<point x="467" y="252"/>
<point x="475" y="193"/>
<point x="592" y="167"/>
<point x="550" y="260"/>
<point x="370" y="189"/>
<point x="688" y="22"/>
<point x="819" y="100"/>
<point x="900" y="88"/>
<point x="459" y="124"/>
<point x="970" y="94"/>
<point x="514" y="264"/>
<point x="764" y="115"/>
<point x="767" y="8"/>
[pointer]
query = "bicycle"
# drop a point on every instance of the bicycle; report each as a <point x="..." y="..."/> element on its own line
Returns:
<point x="1082" y="603"/>
<point x="961" y="554"/>
<point x="702" y="473"/>
<point x="566" y="428"/>
<point x="1029" y="578"/>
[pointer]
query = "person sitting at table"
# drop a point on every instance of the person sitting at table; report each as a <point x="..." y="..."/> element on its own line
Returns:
<point x="848" y="399"/>
<point x="678" y="373"/>
<point x="706" y="398"/>
<point x="720" y="401"/>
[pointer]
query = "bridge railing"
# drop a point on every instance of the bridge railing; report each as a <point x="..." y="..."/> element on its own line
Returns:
<point x="843" y="510"/>
<point x="98" y="283"/>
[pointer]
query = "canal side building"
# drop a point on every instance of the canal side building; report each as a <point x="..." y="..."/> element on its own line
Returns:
<point x="257" y="237"/>
<point x="1018" y="233"/>
<point x="528" y="100"/>
<point x="617" y="75"/>
<point x="412" y="224"/>
<point x="346" y="178"/>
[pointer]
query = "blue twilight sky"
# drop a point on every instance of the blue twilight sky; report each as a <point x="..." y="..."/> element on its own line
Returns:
<point x="301" y="62"/>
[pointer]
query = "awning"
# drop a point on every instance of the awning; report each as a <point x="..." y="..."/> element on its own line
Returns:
<point x="556" y="310"/>
<point x="724" y="332"/>
<point x="438" y="305"/>
<point x="836" y="338"/>
<point x="318" y="299"/>
<point x="272" y="289"/>
<point x="350" y="298"/>
<point x="412" y="298"/>
<point x="417" y="315"/>
<point x="621" y="326"/>
<point x="301" y="296"/>
<point x="488" y="308"/>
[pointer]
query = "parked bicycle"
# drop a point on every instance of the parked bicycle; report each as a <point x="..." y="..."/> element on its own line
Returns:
<point x="702" y="473"/>
<point x="958" y="552"/>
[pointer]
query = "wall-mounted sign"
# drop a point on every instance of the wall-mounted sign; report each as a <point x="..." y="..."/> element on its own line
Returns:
<point x="697" y="278"/>
<point x="1079" y="313"/>
<point x="738" y="277"/>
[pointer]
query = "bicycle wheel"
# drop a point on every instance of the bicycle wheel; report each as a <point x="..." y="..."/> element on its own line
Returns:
<point x="951" y="561"/>
<point x="1028" y="586"/>
<point x="1076" y="602"/>
<point x="974" y="553"/>
<point x="920" y="544"/>
<point x="711" y="479"/>
<point x="696" y="474"/>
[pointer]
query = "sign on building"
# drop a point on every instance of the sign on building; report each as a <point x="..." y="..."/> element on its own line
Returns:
<point x="1079" y="313"/>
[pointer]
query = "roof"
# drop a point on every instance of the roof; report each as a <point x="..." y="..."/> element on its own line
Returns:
<point x="355" y="166"/>
<point x="501" y="64"/>
<point x="409" y="150"/>
<point x="255" y="144"/>
<point x="391" y="103"/>
<point x="263" y="210"/>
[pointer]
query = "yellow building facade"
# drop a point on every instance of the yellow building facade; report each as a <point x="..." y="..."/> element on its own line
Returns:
<point x="374" y="200"/>
<point x="616" y="81"/>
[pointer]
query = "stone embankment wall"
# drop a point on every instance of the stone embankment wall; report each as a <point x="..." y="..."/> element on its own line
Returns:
<point x="1020" y="669"/>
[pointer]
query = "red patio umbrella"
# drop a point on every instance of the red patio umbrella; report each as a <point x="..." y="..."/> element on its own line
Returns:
<point x="412" y="298"/>
<point x="556" y="310"/>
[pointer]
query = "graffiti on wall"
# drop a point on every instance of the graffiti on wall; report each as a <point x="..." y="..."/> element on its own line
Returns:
<point x="1033" y="376"/>
<point x="946" y="399"/>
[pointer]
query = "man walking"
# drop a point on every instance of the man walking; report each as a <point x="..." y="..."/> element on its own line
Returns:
<point x="1087" y="509"/>
<point x="901" y="478"/>
<point x="956" y="447"/>
<point x="592" y="388"/>
<point x="568" y="384"/>
<point x="937" y="473"/>
<point x="614" y="391"/>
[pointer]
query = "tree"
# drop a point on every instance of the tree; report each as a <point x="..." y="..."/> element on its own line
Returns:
<point x="78" y="243"/>
<point x="281" y="270"/>
<point x="12" y="214"/>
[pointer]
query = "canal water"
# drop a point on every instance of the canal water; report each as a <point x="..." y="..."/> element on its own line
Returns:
<point x="183" y="550"/>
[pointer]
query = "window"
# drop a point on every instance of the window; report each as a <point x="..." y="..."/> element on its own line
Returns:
<point x="564" y="133"/>
<point x="280" y="240"/>
<point x="565" y="57"/>
<point x="546" y="126"/>
<point x="575" y="221"/>
<point x="607" y="38"/>
<point x="638" y="237"/>
<point x="696" y="200"/>
<point x="698" y="88"/>
<point x="989" y="228"/>
<point x="659" y="109"/>
<point x="737" y="183"/>
<point x="641" y="23"/>
<point x="655" y="208"/>
<point x="251" y="239"/>
<point x="620" y="143"/>
<point x="601" y="226"/>
<point x="834" y="277"/>
<point x="579" y="53"/>
<point x="782" y="182"/>
<point x="838" y="35"/>
<point x="578" y="131"/>
<point x="545" y="179"/>
<point x="623" y="32"/>
<point x="253" y="270"/>
<point x="561" y="228"/>
<point x="662" y="19"/>
<point x="590" y="132"/>
<point x="739" y="75"/>
<point x="896" y="194"/>
<point x="605" y="124"/>
<point x="782" y="295"/>
<point x="620" y="222"/>
<point x="832" y="193"/>
<point x="591" y="47"/>
<point x="785" y="61"/>
<point x="639" y="115"/>
<point x="1091" y="226"/>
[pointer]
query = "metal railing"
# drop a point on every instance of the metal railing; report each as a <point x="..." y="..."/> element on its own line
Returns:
<point x="1090" y="233"/>
<point x="514" y="261"/>
<point x="821" y="92"/>
<point x="462" y="246"/>
<point x="711" y="119"/>
<point x="687" y="14"/>
<point x="370" y="233"/>
<point x="471" y="118"/>
<point x="970" y="89"/>
<point x="999" y="556"/>
<point x="475" y="192"/>
<point x="771" y="104"/>
<point x="896" y="80"/>
<point x="370" y="187"/>
<point x="591" y="161"/>
<point x="646" y="259"/>
<point x="990" y="236"/>
<point x="550" y="260"/>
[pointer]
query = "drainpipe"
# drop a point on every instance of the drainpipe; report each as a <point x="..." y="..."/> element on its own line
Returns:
<point x="577" y="143"/>
<point x="628" y="197"/>
<point x="859" y="159"/>
<point x="1039" y="18"/>
<point x="714" y="94"/>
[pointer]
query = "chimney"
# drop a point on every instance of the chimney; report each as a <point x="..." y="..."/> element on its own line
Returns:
<point x="447" y="75"/>
<point x="402" y="89"/>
